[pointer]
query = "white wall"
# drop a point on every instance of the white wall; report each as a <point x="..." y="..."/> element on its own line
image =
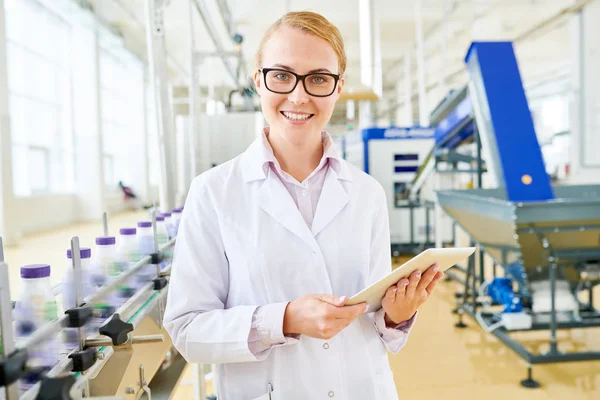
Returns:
<point x="223" y="137"/>
<point x="40" y="213"/>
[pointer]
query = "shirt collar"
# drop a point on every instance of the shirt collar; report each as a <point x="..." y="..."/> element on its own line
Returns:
<point x="260" y="154"/>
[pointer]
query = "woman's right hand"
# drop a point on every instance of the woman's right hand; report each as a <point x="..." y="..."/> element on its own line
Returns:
<point x="321" y="316"/>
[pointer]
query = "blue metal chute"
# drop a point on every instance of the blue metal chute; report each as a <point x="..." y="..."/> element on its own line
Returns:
<point x="457" y="127"/>
<point x="504" y="122"/>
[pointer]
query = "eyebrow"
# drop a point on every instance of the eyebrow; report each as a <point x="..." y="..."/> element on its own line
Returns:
<point x="310" y="72"/>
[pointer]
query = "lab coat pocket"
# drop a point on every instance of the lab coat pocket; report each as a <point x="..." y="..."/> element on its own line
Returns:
<point x="386" y="388"/>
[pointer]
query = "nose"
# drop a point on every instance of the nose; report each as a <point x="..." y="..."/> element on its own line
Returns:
<point x="298" y="96"/>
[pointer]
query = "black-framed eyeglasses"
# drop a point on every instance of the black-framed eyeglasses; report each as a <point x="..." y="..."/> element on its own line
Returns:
<point x="281" y="81"/>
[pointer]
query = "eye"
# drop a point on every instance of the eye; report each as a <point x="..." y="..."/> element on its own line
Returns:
<point x="319" y="79"/>
<point x="282" y="76"/>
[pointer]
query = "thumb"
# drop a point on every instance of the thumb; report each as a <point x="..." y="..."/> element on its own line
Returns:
<point x="333" y="300"/>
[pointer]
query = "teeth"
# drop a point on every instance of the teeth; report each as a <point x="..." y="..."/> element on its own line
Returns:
<point x="296" y="116"/>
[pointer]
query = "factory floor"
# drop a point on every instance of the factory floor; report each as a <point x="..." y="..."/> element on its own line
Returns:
<point x="439" y="361"/>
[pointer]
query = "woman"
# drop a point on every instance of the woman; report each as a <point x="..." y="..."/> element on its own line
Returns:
<point x="269" y="241"/>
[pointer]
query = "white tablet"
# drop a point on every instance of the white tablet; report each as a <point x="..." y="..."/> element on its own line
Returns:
<point x="444" y="258"/>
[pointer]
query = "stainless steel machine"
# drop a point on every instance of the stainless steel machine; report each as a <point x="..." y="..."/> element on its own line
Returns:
<point x="544" y="239"/>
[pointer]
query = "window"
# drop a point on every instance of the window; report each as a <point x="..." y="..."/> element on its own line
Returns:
<point x="549" y="102"/>
<point x="40" y="106"/>
<point x="122" y="113"/>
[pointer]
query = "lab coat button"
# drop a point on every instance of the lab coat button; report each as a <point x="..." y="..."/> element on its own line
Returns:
<point x="304" y="192"/>
<point x="331" y="394"/>
<point x="326" y="346"/>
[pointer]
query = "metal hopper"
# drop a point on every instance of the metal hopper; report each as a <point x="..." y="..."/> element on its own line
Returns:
<point x="565" y="230"/>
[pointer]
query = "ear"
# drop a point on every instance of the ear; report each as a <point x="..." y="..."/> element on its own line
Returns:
<point x="340" y="85"/>
<point x="257" y="81"/>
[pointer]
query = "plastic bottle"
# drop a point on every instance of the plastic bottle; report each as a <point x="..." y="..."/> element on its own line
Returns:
<point x="71" y="335"/>
<point x="35" y="307"/>
<point x="127" y="253"/>
<point x="127" y="248"/>
<point x="162" y="238"/>
<point x="176" y="219"/>
<point x="105" y="264"/>
<point x="105" y="269"/>
<point x="169" y="224"/>
<point x="145" y="240"/>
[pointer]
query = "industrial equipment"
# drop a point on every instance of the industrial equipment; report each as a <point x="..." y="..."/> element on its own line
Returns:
<point x="117" y="363"/>
<point x="545" y="238"/>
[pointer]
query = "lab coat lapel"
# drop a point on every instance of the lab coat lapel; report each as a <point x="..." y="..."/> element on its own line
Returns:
<point x="277" y="202"/>
<point x="333" y="199"/>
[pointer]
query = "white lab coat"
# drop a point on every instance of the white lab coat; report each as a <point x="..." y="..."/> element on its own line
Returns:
<point x="243" y="243"/>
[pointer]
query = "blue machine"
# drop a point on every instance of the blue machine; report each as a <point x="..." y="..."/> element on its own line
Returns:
<point x="501" y="292"/>
<point x="393" y="133"/>
<point x="496" y="101"/>
<point x="494" y="106"/>
<point x="545" y="238"/>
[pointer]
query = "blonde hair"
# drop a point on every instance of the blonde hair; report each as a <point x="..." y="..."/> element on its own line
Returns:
<point x="313" y="24"/>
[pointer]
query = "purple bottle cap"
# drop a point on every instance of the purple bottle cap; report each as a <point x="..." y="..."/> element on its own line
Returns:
<point x="127" y="231"/>
<point x="166" y="214"/>
<point x="106" y="240"/>
<point x="84" y="252"/>
<point x="144" y="224"/>
<point x="160" y="218"/>
<point x="33" y="271"/>
<point x="177" y="210"/>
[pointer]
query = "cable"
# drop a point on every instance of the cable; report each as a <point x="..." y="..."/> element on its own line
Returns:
<point x="487" y="328"/>
<point x="486" y="306"/>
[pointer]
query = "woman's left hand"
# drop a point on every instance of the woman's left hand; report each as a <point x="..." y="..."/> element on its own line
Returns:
<point x="402" y="300"/>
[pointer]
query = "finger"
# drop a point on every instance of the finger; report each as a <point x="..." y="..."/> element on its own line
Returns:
<point x="390" y="294"/>
<point x="401" y="288"/>
<point x="427" y="277"/>
<point x="435" y="280"/>
<point x="413" y="281"/>
<point x="333" y="300"/>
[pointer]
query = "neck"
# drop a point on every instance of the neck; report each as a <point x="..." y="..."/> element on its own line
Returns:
<point x="297" y="159"/>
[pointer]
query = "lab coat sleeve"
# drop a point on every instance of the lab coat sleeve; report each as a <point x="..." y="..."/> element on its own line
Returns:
<point x="394" y="338"/>
<point x="267" y="330"/>
<point x="202" y="330"/>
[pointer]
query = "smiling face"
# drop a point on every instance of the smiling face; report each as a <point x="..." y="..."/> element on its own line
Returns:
<point x="297" y="117"/>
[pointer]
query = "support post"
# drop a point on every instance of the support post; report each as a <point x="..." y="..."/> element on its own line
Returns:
<point x="408" y="88"/>
<point x="423" y="114"/>
<point x="159" y="78"/>
<point x="6" y="323"/>
<point x="553" y="344"/>
<point x="192" y="126"/>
